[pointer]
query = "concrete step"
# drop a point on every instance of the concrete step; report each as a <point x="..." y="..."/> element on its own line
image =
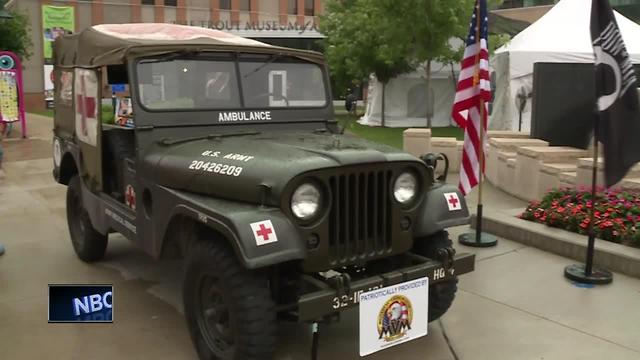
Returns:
<point x="492" y="134"/>
<point x="557" y="168"/>
<point x="630" y="183"/>
<point x="512" y="144"/>
<point x="567" y="178"/>
<point x="506" y="155"/>
<point x="552" y="154"/>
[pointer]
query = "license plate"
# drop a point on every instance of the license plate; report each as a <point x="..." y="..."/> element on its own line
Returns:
<point x="393" y="315"/>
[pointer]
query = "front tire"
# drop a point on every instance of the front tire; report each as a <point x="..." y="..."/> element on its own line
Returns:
<point x="442" y="294"/>
<point x="229" y="310"/>
<point x="89" y="244"/>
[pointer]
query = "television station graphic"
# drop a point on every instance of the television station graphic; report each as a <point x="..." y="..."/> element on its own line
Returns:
<point x="71" y="303"/>
<point x="393" y="315"/>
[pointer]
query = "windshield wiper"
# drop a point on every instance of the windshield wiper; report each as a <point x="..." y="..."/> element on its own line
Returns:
<point x="169" y="141"/>
<point x="273" y="58"/>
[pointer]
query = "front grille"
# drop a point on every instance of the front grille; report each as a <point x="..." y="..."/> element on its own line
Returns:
<point x="360" y="214"/>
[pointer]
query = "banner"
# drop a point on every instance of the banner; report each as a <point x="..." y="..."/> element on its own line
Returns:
<point x="56" y="21"/>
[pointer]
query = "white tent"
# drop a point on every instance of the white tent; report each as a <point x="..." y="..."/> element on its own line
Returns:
<point x="406" y="98"/>
<point x="562" y="36"/>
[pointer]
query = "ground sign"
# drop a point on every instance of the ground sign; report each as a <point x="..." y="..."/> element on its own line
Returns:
<point x="393" y="315"/>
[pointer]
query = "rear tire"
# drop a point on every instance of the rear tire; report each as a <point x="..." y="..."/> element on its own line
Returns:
<point x="89" y="244"/>
<point x="442" y="294"/>
<point x="229" y="310"/>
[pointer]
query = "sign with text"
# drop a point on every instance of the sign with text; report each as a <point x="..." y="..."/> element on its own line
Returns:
<point x="393" y="315"/>
<point x="56" y="21"/>
<point x="80" y="303"/>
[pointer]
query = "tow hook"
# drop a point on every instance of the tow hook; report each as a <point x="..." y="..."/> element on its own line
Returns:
<point x="341" y="282"/>
<point x="445" y="256"/>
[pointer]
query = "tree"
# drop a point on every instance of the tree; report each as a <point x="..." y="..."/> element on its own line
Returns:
<point x="390" y="37"/>
<point x="14" y="34"/>
<point x="358" y="44"/>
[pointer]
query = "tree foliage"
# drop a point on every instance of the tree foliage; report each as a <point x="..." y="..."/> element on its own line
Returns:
<point x="358" y="44"/>
<point x="14" y="34"/>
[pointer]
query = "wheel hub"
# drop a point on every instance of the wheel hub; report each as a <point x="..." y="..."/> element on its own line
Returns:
<point x="214" y="319"/>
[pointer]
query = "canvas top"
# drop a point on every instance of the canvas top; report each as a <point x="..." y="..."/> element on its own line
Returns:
<point x="110" y="44"/>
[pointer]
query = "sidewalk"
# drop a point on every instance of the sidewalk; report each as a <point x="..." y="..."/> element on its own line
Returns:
<point x="516" y="305"/>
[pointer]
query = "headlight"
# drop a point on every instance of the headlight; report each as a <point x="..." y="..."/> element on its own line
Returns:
<point x="404" y="189"/>
<point x="305" y="201"/>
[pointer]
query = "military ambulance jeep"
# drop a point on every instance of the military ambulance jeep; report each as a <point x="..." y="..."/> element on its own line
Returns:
<point x="224" y="151"/>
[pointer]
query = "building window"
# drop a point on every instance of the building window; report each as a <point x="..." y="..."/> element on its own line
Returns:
<point x="225" y="4"/>
<point x="309" y="7"/>
<point x="170" y="2"/>
<point x="245" y="5"/>
<point x="148" y="2"/>
<point x="293" y="7"/>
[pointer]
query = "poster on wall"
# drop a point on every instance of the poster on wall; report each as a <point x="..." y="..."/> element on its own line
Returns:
<point x="48" y="86"/>
<point x="86" y="93"/>
<point x="56" y="21"/>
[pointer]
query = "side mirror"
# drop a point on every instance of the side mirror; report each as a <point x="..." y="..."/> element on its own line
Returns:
<point x="431" y="160"/>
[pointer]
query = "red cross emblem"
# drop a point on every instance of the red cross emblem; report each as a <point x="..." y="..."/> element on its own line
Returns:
<point x="263" y="232"/>
<point x="453" y="201"/>
<point x="85" y="106"/>
<point x="130" y="197"/>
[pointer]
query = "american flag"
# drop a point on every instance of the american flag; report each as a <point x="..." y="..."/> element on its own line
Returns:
<point x="473" y="90"/>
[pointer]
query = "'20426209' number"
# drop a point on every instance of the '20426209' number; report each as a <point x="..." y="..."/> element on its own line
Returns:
<point x="216" y="168"/>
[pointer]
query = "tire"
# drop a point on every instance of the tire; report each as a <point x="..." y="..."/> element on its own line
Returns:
<point x="89" y="244"/>
<point x="229" y="310"/>
<point x="441" y="295"/>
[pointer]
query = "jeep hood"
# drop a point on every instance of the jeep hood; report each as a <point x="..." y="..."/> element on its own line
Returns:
<point x="238" y="167"/>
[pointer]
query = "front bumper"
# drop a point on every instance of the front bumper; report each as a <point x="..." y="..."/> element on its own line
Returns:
<point x="330" y="299"/>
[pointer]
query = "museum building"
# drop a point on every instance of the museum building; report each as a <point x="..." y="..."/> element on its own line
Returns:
<point x="291" y="23"/>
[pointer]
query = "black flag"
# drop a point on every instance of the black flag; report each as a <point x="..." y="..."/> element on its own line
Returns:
<point x="618" y="127"/>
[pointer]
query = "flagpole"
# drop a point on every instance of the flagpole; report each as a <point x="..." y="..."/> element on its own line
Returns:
<point x="586" y="274"/>
<point x="479" y="239"/>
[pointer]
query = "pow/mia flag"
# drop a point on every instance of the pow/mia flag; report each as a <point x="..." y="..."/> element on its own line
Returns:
<point x="618" y="127"/>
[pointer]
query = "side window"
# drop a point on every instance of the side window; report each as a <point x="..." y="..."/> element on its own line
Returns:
<point x="64" y="88"/>
<point x="188" y="84"/>
<point x="277" y="88"/>
<point x="86" y="101"/>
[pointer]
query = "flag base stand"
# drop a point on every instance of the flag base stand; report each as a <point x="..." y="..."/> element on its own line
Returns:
<point x="576" y="272"/>
<point x="471" y="239"/>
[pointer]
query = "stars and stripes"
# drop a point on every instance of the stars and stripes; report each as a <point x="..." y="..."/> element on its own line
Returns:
<point x="473" y="89"/>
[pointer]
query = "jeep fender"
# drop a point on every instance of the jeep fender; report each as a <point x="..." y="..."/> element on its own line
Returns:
<point x="233" y="220"/>
<point x="434" y="214"/>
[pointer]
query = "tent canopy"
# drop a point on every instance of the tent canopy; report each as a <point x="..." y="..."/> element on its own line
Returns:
<point x="562" y="35"/>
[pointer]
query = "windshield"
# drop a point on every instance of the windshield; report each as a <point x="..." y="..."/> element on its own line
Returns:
<point x="205" y="83"/>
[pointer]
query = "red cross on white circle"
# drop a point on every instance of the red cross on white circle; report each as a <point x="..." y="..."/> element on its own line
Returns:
<point x="130" y="197"/>
<point x="453" y="201"/>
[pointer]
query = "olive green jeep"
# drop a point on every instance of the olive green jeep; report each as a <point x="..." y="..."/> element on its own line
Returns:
<point x="225" y="151"/>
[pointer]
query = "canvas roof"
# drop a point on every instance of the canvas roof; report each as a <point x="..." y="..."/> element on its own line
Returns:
<point x="109" y="44"/>
<point x="563" y="35"/>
